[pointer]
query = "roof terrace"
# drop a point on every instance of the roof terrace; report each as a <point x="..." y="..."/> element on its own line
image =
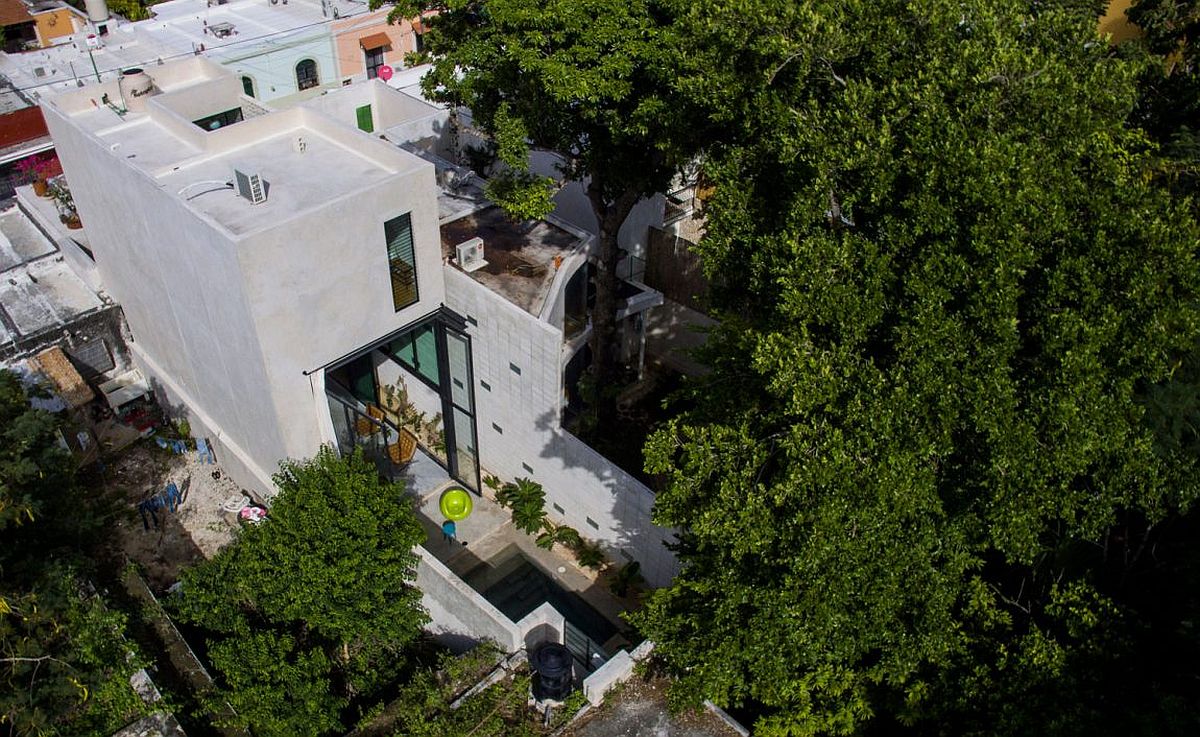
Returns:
<point x="522" y="257"/>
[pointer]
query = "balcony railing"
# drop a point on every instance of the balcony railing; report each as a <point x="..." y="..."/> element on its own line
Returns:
<point x="680" y="204"/>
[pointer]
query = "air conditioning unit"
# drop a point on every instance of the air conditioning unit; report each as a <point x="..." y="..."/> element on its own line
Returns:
<point x="454" y="178"/>
<point x="470" y="255"/>
<point x="251" y="186"/>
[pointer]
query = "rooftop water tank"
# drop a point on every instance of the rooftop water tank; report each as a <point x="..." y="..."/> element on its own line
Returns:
<point x="552" y="663"/>
<point x="135" y="86"/>
<point x="97" y="10"/>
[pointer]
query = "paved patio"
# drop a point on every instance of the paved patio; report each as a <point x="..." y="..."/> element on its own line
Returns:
<point x="488" y="535"/>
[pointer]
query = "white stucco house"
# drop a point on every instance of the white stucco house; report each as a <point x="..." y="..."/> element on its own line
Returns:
<point x="284" y="272"/>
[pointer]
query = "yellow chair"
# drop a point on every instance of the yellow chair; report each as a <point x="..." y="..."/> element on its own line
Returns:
<point x="402" y="451"/>
<point x="365" y="427"/>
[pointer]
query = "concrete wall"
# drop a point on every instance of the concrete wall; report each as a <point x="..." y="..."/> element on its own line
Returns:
<point x="404" y="118"/>
<point x="595" y="497"/>
<point x="459" y="616"/>
<point x="206" y="98"/>
<point x="179" y="281"/>
<point x="572" y="205"/>
<point x="318" y="287"/>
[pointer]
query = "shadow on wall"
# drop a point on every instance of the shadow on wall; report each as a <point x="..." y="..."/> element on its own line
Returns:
<point x="674" y="333"/>
<point x="175" y="412"/>
<point x="605" y="504"/>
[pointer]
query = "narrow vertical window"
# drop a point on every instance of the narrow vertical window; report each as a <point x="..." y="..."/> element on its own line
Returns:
<point x="374" y="60"/>
<point x="248" y="87"/>
<point x="402" y="263"/>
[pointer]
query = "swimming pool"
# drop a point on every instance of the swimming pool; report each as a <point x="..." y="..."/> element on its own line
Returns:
<point x="516" y="586"/>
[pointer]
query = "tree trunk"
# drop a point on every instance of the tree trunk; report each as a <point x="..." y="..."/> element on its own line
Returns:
<point x="610" y="214"/>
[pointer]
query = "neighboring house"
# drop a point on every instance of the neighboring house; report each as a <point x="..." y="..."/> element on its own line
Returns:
<point x="364" y="43"/>
<point x="18" y="26"/>
<point x="22" y="133"/>
<point x="283" y="68"/>
<point x="286" y="273"/>
<point x="56" y="22"/>
<point x="1116" y="24"/>
<point x="281" y="50"/>
<point x="48" y="297"/>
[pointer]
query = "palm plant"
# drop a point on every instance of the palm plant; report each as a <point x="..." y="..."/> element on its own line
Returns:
<point x="562" y="534"/>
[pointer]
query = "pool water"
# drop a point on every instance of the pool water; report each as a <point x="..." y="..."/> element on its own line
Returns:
<point x="516" y="586"/>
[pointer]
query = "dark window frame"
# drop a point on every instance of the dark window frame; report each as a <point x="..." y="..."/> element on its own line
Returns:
<point x="307" y="81"/>
<point x="373" y="59"/>
<point x="223" y="119"/>
<point x="399" y="266"/>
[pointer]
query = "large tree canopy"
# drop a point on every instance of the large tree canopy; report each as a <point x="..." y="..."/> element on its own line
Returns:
<point x="315" y="605"/>
<point x="1170" y="86"/>
<point x="590" y="81"/>
<point x="950" y="289"/>
<point x="64" y="662"/>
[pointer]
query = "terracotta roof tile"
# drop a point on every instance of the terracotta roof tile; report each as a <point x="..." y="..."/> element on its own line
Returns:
<point x="22" y="125"/>
<point x="13" y="12"/>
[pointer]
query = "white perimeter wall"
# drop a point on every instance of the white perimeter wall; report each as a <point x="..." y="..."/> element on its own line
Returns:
<point x="178" y="280"/>
<point x="595" y="497"/>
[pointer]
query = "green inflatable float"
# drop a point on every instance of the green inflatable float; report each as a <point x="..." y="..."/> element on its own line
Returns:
<point x="455" y="504"/>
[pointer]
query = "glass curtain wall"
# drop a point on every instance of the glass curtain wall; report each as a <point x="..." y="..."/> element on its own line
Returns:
<point x="435" y="353"/>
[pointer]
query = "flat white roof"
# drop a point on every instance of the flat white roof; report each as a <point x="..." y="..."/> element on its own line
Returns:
<point x="177" y="29"/>
<point x="307" y="159"/>
<point x="295" y="182"/>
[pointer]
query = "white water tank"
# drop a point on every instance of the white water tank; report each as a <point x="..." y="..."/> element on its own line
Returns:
<point x="135" y="86"/>
<point x="97" y="10"/>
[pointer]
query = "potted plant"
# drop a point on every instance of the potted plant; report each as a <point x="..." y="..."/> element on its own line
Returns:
<point x="66" y="204"/>
<point x="37" y="170"/>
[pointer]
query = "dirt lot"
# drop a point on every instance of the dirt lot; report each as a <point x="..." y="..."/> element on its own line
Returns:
<point x="196" y="529"/>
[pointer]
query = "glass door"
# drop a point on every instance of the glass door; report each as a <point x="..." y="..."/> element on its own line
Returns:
<point x="458" y="397"/>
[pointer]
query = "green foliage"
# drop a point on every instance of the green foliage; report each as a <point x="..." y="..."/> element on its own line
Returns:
<point x="328" y="579"/>
<point x="64" y="663"/>
<point x="589" y="555"/>
<point x="523" y="196"/>
<point x="926" y="413"/>
<point x="272" y="684"/>
<point x="628" y="577"/>
<point x="526" y="499"/>
<point x="1169" y="99"/>
<point x="500" y="710"/>
<point x="131" y="9"/>
<point x="561" y="534"/>
<point x="35" y="473"/>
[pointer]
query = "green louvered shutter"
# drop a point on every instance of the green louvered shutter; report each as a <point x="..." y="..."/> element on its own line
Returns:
<point x="401" y="260"/>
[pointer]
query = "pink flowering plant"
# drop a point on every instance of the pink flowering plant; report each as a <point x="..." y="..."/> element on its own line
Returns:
<point x="38" y="167"/>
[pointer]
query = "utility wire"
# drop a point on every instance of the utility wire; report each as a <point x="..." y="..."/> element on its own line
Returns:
<point x="184" y="54"/>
